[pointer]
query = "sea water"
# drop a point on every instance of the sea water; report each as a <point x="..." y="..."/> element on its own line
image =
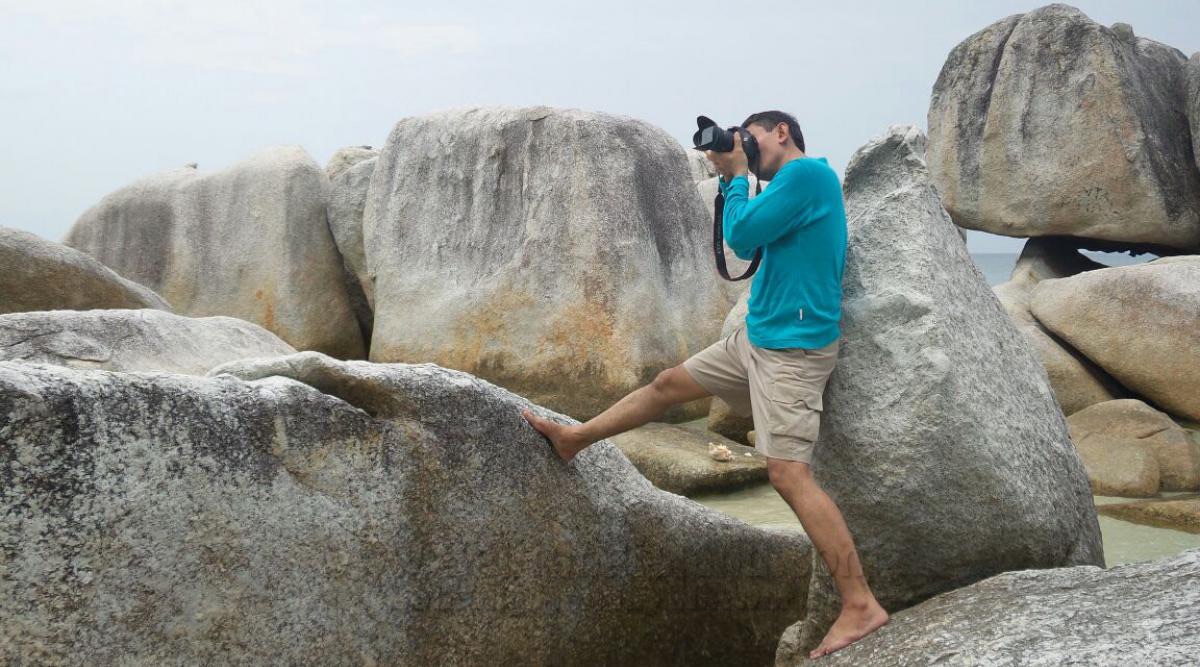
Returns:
<point x="997" y="266"/>
<point x="1124" y="542"/>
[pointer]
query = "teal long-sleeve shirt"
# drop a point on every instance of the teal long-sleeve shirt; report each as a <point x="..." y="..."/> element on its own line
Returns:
<point x="799" y="220"/>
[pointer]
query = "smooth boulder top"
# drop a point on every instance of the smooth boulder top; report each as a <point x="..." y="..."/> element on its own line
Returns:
<point x="941" y="441"/>
<point x="133" y="340"/>
<point x="1047" y="123"/>
<point x="1140" y="323"/>
<point x="1135" y="614"/>
<point x="302" y="510"/>
<point x="37" y="274"/>
<point x="249" y="241"/>
<point x="560" y="253"/>
<point x="347" y="157"/>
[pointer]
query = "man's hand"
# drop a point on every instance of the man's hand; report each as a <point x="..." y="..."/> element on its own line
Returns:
<point x="732" y="163"/>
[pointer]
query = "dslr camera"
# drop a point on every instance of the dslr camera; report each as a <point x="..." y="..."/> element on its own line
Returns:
<point x="710" y="137"/>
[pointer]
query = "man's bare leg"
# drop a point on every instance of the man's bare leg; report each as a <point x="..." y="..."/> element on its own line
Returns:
<point x="671" y="387"/>
<point x="823" y="522"/>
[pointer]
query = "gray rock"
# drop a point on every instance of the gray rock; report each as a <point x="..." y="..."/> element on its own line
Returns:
<point x="676" y="459"/>
<point x="1192" y="101"/>
<point x="1047" y="123"/>
<point x="347" y="157"/>
<point x="347" y="197"/>
<point x="560" y="253"/>
<point x="1124" y="32"/>
<point x="701" y="167"/>
<point x="133" y="340"/>
<point x="940" y="441"/>
<point x="250" y="241"/>
<point x="407" y="515"/>
<point x="1139" y="323"/>
<point x="1141" y="426"/>
<point x="1077" y="382"/>
<point x="1135" y="614"/>
<point x="36" y="274"/>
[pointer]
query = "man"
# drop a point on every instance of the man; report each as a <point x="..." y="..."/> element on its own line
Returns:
<point x="774" y="368"/>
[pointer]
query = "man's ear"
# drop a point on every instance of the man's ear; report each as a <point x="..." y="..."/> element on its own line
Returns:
<point x="781" y="133"/>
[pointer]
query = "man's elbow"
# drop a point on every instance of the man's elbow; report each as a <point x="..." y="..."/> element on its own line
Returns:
<point x="740" y="244"/>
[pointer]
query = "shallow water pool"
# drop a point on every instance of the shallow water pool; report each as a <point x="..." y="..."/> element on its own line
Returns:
<point x="1124" y="542"/>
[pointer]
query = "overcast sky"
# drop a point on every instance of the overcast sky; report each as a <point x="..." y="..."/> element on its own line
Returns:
<point x="94" y="95"/>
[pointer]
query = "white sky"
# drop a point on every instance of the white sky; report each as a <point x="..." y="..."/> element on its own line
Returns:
<point x="94" y="95"/>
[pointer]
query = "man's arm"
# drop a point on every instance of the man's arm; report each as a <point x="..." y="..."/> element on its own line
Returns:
<point x="753" y="223"/>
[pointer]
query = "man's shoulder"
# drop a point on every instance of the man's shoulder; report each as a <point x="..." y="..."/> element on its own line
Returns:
<point x="811" y="175"/>
<point x="807" y="168"/>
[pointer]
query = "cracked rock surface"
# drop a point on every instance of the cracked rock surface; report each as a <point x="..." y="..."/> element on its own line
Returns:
<point x="304" y="510"/>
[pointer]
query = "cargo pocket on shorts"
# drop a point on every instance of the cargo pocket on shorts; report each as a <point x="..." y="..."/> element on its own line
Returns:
<point x="794" y="409"/>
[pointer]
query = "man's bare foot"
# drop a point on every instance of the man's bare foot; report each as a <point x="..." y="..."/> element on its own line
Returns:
<point x="852" y="625"/>
<point x="564" y="437"/>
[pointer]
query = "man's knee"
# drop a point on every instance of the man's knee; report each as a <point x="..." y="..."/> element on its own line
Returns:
<point x="677" y="385"/>
<point x="785" y="473"/>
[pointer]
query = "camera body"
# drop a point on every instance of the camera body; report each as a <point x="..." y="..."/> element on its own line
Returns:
<point x="711" y="137"/>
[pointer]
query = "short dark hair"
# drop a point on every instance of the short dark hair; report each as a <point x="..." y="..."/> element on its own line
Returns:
<point x="769" y="119"/>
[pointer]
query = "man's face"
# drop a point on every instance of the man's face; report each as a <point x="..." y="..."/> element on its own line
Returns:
<point x="772" y="146"/>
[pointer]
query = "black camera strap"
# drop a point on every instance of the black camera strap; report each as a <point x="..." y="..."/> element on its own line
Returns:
<point x="719" y="237"/>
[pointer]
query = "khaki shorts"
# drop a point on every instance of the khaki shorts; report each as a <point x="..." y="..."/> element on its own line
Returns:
<point x="781" y="389"/>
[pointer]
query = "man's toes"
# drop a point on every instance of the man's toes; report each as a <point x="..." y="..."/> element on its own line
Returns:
<point x="539" y="424"/>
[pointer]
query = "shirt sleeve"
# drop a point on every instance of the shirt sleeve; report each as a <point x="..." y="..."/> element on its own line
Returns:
<point x="752" y="223"/>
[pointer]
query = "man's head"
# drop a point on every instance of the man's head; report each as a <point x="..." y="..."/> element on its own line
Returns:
<point x="779" y="140"/>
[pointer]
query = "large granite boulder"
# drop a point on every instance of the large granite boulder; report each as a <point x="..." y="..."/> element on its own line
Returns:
<point x="678" y="459"/>
<point x="1047" y="123"/>
<point x="133" y="340"/>
<point x="1140" y="426"/>
<point x="250" y="241"/>
<point x="36" y="274"/>
<point x="366" y="514"/>
<point x="1135" y="614"/>
<point x="1077" y="382"/>
<point x="350" y="172"/>
<point x="1192" y="90"/>
<point x="941" y="440"/>
<point x="560" y="253"/>
<point x="1139" y="323"/>
<point x="701" y="167"/>
<point x="344" y="158"/>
